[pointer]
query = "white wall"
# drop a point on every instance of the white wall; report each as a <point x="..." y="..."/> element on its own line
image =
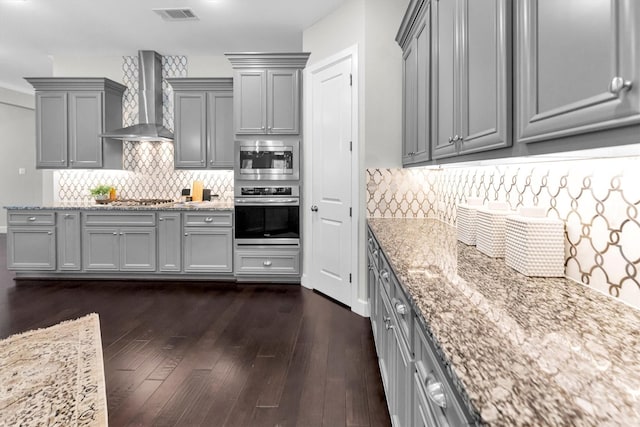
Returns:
<point x="17" y="142"/>
<point x="372" y="26"/>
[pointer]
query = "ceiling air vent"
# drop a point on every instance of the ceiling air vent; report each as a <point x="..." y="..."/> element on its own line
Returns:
<point x="183" y="14"/>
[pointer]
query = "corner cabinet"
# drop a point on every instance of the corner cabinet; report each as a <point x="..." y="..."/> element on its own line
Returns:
<point x="576" y="75"/>
<point x="472" y="76"/>
<point x="203" y="111"/>
<point x="267" y="92"/>
<point x="71" y="113"/>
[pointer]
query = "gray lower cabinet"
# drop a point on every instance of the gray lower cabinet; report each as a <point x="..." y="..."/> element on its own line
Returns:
<point x="169" y="241"/>
<point x="576" y="75"/>
<point x="267" y="92"/>
<point x="471" y="82"/>
<point x="203" y="109"/>
<point x="119" y="242"/>
<point x="68" y="240"/>
<point x="419" y="391"/>
<point x="208" y="242"/>
<point x="417" y="92"/>
<point x="31" y="240"/>
<point x="71" y="113"/>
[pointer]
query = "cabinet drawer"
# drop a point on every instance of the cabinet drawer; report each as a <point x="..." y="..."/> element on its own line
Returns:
<point x="208" y="219"/>
<point x="385" y="275"/>
<point x="402" y="311"/>
<point x="267" y="262"/>
<point x="119" y="219"/>
<point x="373" y="248"/>
<point x="432" y="378"/>
<point x="32" y="217"/>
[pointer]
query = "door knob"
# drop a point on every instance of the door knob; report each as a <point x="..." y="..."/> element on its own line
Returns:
<point x="314" y="208"/>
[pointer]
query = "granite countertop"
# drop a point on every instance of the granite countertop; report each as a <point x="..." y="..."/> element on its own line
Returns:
<point x="526" y="351"/>
<point x="91" y="205"/>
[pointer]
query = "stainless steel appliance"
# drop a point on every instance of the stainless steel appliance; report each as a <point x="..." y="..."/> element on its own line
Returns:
<point x="267" y="160"/>
<point x="267" y="215"/>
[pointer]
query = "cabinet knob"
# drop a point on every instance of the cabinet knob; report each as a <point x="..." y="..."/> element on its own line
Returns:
<point x="201" y="161"/>
<point x="384" y="275"/>
<point x="67" y="216"/>
<point x="401" y="309"/>
<point x="49" y="233"/>
<point x="450" y="140"/>
<point x="208" y="219"/>
<point x="618" y="84"/>
<point x="32" y="218"/>
<point x="115" y="234"/>
<point x="62" y="161"/>
<point x="267" y="263"/>
<point x="160" y="219"/>
<point x="435" y="391"/>
<point x="71" y="161"/>
<point x="456" y="138"/>
<point x="186" y="234"/>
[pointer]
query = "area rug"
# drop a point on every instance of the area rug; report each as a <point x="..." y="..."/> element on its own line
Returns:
<point x="54" y="376"/>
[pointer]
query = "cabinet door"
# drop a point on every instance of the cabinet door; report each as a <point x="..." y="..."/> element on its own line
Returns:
<point x="31" y="248"/>
<point x="372" y="284"/>
<point x="444" y="88"/>
<point x="51" y="129"/>
<point x="250" y="101"/>
<point x="169" y="241"/>
<point x="485" y="81"/>
<point x="409" y="107"/>
<point x="85" y="124"/>
<point x="401" y="379"/>
<point x="220" y="130"/>
<point x="208" y="250"/>
<point x="283" y="101"/>
<point x="190" y="130"/>
<point x="137" y="249"/>
<point x="100" y="249"/>
<point x="422" y="149"/>
<point x="386" y="339"/>
<point x="68" y="244"/>
<point x="565" y="67"/>
<point x="422" y="416"/>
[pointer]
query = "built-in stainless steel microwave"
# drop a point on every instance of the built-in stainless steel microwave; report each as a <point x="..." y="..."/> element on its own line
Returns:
<point x="267" y="160"/>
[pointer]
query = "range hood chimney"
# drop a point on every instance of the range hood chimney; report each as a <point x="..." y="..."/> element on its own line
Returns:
<point x="150" y="126"/>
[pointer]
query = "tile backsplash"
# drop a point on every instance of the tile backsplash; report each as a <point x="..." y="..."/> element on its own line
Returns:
<point x="597" y="199"/>
<point x="148" y="166"/>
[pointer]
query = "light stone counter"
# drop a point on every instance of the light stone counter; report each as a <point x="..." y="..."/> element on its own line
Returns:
<point x="525" y="351"/>
<point x="91" y="205"/>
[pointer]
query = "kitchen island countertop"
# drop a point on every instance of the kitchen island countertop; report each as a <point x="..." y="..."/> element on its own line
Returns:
<point x="525" y="351"/>
<point x="91" y="205"/>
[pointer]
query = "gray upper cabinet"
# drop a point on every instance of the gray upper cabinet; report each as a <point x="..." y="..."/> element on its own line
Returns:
<point x="267" y="92"/>
<point x="203" y="123"/>
<point x="71" y="113"/>
<point x="471" y="76"/>
<point x="416" y="42"/>
<point x="576" y="75"/>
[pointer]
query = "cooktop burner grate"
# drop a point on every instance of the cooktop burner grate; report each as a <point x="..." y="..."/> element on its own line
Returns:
<point x="140" y="202"/>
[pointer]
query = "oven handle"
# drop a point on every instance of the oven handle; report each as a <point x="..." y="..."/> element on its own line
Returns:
<point x="261" y="201"/>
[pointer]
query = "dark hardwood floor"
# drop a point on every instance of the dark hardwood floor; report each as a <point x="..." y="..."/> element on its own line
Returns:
<point x="211" y="354"/>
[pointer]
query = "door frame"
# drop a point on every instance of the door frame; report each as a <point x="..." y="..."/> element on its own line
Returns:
<point x="359" y="303"/>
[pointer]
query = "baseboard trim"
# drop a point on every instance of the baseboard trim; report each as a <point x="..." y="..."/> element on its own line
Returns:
<point x="306" y="282"/>
<point x="361" y="308"/>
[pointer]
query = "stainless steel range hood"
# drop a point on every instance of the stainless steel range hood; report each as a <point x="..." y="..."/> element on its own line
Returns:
<point x="150" y="127"/>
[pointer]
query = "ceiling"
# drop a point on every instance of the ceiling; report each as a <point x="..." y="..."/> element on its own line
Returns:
<point x="33" y="32"/>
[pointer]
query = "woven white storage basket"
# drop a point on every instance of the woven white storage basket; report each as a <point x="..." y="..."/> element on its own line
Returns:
<point x="491" y="231"/>
<point x="466" y="220"/>
<point x="535" y="246"/>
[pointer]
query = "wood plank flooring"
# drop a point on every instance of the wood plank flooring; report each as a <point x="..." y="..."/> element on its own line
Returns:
<point x="212" y="354"/>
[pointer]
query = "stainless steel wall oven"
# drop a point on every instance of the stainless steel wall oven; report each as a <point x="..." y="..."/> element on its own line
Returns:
<point x="267" y="215"/>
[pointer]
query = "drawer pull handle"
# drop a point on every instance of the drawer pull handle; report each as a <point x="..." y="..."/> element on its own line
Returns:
<point x="384" y="275"/>
<point x="267" y="263"/>
<point x="32" y="218"/>
<point x="208" y="219"/>
<point x="618" y="84"/>
<point x="160" y="219"/>
<point x="186" y="234"/>
<point x="115" y="234"/>
<point x="375" y="253"/>
<point x="49" y="233"/>
<point x="401" y="309"/>
<point x="435" y="391"/>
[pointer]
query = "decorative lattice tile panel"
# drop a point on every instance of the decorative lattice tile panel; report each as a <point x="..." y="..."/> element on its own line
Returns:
<point x="598" y="200"/>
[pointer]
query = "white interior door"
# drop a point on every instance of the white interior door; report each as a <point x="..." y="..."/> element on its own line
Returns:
<point x="331" y="126"/>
